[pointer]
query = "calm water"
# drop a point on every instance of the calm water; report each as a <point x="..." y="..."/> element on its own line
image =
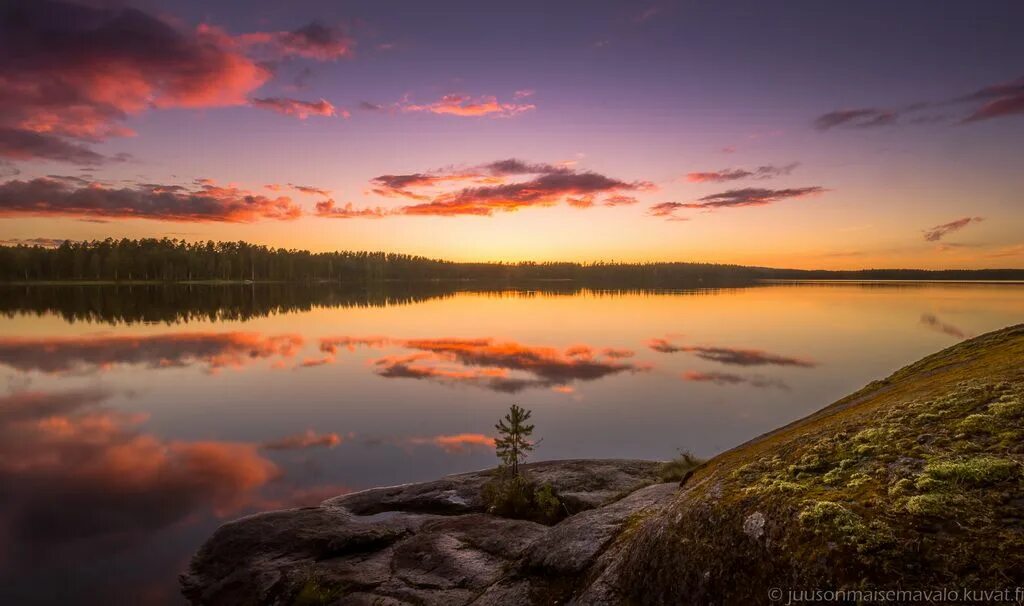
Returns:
<point x="132" y="422"/>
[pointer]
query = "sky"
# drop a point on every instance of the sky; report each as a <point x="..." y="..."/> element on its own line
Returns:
<point x="797" y="134"/>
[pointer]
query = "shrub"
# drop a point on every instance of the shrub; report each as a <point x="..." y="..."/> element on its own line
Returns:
<point x="314" y="592"/>
<point x="676" y="469"/>
<point x="976" y="471"/>
<point x="519" y="497"/>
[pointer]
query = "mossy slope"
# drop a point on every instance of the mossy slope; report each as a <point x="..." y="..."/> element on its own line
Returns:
<point x="915" y="482"/>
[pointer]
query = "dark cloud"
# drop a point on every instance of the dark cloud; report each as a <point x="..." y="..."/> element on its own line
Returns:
<point x="735" y="174"/>
<point x="938" y="232"/>
<point x="995" y="101"/>
<point x="544" y="190"/>
<point x="667" y="210"/>
<point x="20" y="144"/>
<point x="754" y="196"/>
<point x="206" y="202"/>
<point x="92" y="354"/>
<point x="730" y="355"/>
<point x="513" y="166"/>
<point x="727" y="378"/>
<point x="492" y="191"/>
<point x="309" y="189"/>
<point x="401" y="186"/>
<point x="735" y="198"/>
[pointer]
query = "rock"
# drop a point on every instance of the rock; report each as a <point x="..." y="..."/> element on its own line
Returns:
<point x="248" y="559"/>
<point x="570" y="546"/>
<point x="426" y="543"/>
<point x="753" y="525"/>
<point x="582" y="484"/>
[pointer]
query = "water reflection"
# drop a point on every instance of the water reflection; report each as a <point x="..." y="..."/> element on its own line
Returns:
<point x="728" y="378"/>
<point x="178" y="303"/>
<point x="490" y="364"/>
<point x="124" y="443"/>
<point x="933" y="322"/>
<point x="75" y="470"/>
<point x="96" y="353"/>
<point x="730" y="355"/>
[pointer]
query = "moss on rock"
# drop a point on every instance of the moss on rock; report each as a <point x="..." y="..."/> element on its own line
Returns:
<point x="912" y="481"/>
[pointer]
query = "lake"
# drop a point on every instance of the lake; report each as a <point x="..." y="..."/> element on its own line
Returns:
<point x="134" y="420"/>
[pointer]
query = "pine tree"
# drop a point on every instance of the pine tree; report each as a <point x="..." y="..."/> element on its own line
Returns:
<point x="513" y="442"/>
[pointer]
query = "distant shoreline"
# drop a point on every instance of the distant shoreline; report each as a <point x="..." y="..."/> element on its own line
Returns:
<point x="495" y="283"/>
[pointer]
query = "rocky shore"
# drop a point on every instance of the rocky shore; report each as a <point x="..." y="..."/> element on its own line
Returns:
<point x="915" y="481"/>
<point x="428" y="543"/>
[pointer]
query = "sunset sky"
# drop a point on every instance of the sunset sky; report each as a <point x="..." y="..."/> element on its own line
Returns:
<point x="797" y="134"/>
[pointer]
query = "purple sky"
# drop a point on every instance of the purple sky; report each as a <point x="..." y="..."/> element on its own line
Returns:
<point x="802" y="134"/>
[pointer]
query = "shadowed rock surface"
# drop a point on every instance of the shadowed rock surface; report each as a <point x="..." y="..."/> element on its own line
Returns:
<point x="425" y="543"/>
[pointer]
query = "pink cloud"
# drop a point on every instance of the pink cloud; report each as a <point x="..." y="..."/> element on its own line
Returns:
<point x="298" y="109"/>
<point x="466" y="106"/>
<point x="461" y="443"/>
<point x="303" y="441"/>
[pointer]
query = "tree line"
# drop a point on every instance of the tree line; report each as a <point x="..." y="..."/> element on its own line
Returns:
<point x="173" y="260"/>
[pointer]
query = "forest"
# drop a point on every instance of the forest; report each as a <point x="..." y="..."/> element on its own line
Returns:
<point x="172" y="260"/>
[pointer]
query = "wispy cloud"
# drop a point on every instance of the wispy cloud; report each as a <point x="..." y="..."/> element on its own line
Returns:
<point x="735" y="174"/>
<point x="734" y="198"/>
<point x="304" y="441"/>
<point x="866" y="117"/>
<point x="999" y="100"/>
<point x="309" y="189"/>
<point x="460" y="105"/>
<point x="460" y="443"/>
<point x="934" y="234"/>
<point x="298" y="109"/>
<point x="994" y="101"/>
